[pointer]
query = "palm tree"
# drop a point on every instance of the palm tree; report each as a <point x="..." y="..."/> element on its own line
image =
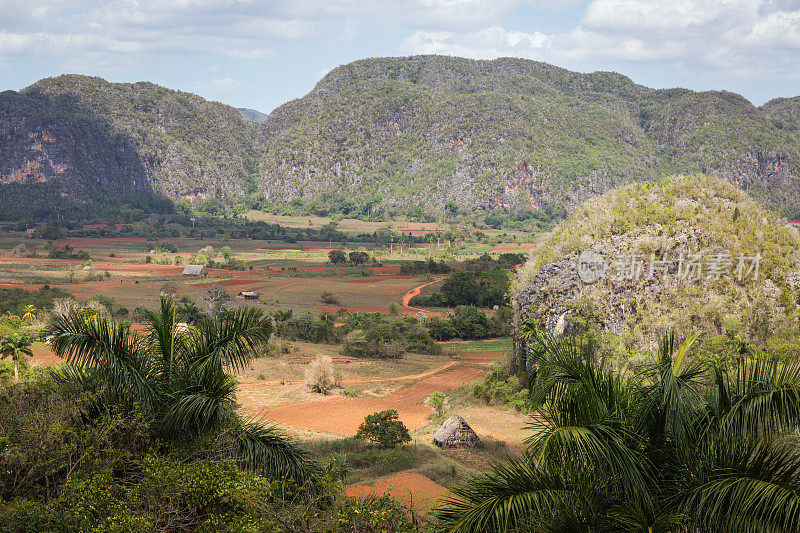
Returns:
<point x="29" y="313"/>
<point x="678" y="445"/>
<point x="16" y="346"/>
<point x="177" y="378"/>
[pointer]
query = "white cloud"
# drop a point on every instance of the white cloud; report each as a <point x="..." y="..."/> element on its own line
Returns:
<point x="745" y="37"/>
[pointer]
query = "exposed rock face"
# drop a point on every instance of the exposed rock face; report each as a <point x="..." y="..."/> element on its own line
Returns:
<point x="683" y="253"/>
<point x="393" y="133"/>
<point x="512" y="133"/>
<point x="80" y="140"/>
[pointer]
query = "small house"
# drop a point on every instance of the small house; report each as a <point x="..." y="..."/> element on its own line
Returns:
<point x="195" y="270"/>
<point x="248" y="295"/>
<point x="455" y="433"/>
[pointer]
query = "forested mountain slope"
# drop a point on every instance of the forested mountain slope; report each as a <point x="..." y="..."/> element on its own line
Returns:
<point x="388" y="135"/>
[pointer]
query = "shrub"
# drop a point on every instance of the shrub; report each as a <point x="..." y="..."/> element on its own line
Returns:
<point x="436" y="401"/>
<point x="329" y="298"/>
<point x="320" y="375"/>
<point x="384" y="429"/>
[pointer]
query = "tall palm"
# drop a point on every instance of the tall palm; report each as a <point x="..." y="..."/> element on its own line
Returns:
<point x="178" y="378"/>
<point x="675" y="446"/>
<point x="17" y="347"/>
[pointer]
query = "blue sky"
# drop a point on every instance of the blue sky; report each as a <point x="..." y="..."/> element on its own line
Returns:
<point x="260" y="54"/>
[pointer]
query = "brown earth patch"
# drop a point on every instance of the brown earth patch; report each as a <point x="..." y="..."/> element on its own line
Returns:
<point x="409" y="488"/>
<point x="344" y="415"/>
<point x="353" y="309"/>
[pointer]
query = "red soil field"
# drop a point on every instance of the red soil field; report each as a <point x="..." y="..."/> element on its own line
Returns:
<point x="26" y="286"/>
<point x="234" y="282"/>
<point x="149" y="268"/>
<point x="344" y="415"/>
<point x="295" y="248"/>
<point x="406" y="487"/>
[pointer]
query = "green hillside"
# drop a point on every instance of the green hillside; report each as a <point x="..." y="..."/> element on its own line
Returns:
<point x="385" y="137"/>
<point x="511" y="133"/>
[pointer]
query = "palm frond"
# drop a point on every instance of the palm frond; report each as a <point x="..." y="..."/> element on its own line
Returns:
<point x="669" y="392"/>
<point x="164" y="341"/>
<point x="265" y="450"/>
<point x="749" y="485"/>
<point x="117" y="353"/>
<point x="759" y="396"/>
<point x="198" y="403"/>
<point x="230" y="340"/>
<point x="511" y="495"/>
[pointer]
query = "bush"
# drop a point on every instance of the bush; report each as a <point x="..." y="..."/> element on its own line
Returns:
<point x="329" y="298"/>
<point x="384" y="429"/>
<point x="436" y="401"/>
<point x="320" y="375"/>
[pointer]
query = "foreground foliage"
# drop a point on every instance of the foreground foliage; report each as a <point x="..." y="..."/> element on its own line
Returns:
<point x="177" y="379"/>
<point x="677" y="445"/>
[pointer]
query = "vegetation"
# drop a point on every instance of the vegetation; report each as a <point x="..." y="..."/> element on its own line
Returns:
<point x="320" y="375"/>
<point x="384" y="429"/>
<point x="385" y="336"/>
<point x="374" y="128"/>
<point x="66" y="467"/>
<point x="663" y="219"/>
<point x="177" y="381"/>
<point x="15" y="301"/>
<point x="679" y="444"/>
<point x="16" y="347"/>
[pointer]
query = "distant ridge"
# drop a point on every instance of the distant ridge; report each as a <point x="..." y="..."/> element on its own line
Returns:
<point x="252" y="115"/>
<point x="399" y="135"/>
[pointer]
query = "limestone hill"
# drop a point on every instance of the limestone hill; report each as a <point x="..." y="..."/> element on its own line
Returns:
<point x="672" y="254"/>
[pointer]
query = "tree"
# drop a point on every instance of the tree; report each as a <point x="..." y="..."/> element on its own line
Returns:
<point x="436" y="400"/>
<point x="178" y="380"/>
<point x="216" y="297"/>
<point x="680" y="445"/>
<point x="187" y="311"/>
<point x="384" y="429"/>
<point x="337" y="257"/>
<point x="29" y="313"/>
<point x="358" y="258"/>
<point x="16" y="347"/>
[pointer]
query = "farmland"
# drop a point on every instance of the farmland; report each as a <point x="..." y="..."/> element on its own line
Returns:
<point x="293" y="277"/>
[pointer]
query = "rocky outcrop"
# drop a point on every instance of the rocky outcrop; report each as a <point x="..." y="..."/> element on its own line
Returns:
<point x="683" y="253"/>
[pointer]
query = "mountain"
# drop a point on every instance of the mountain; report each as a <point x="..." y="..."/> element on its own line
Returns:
<point x="391" y="134"/>
<point x="252" y="115"/>
<point x="82" y="141"/>
<point x="512" y="133"/>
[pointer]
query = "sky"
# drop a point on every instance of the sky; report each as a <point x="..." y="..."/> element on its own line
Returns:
<point x="260" y="54"/>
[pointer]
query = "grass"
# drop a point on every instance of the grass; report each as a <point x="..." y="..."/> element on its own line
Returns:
<point x="494" y="345"/>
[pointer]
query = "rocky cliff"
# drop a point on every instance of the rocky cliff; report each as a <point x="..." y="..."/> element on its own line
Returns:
<point x="394" y="133"/>
<point x="512" y="133"/>
<point x="77" y="140"/>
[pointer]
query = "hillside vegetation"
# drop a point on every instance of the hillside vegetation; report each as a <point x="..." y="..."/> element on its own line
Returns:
<point x="666" y="219"/>
<point x="389" y="136"/>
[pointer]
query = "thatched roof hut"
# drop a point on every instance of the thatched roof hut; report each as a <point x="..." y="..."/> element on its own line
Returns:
<point x="195" y="270"/>
<point x="455" y="432"/>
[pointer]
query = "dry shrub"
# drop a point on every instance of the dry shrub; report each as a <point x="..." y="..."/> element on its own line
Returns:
<point x="320" y="374"/>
